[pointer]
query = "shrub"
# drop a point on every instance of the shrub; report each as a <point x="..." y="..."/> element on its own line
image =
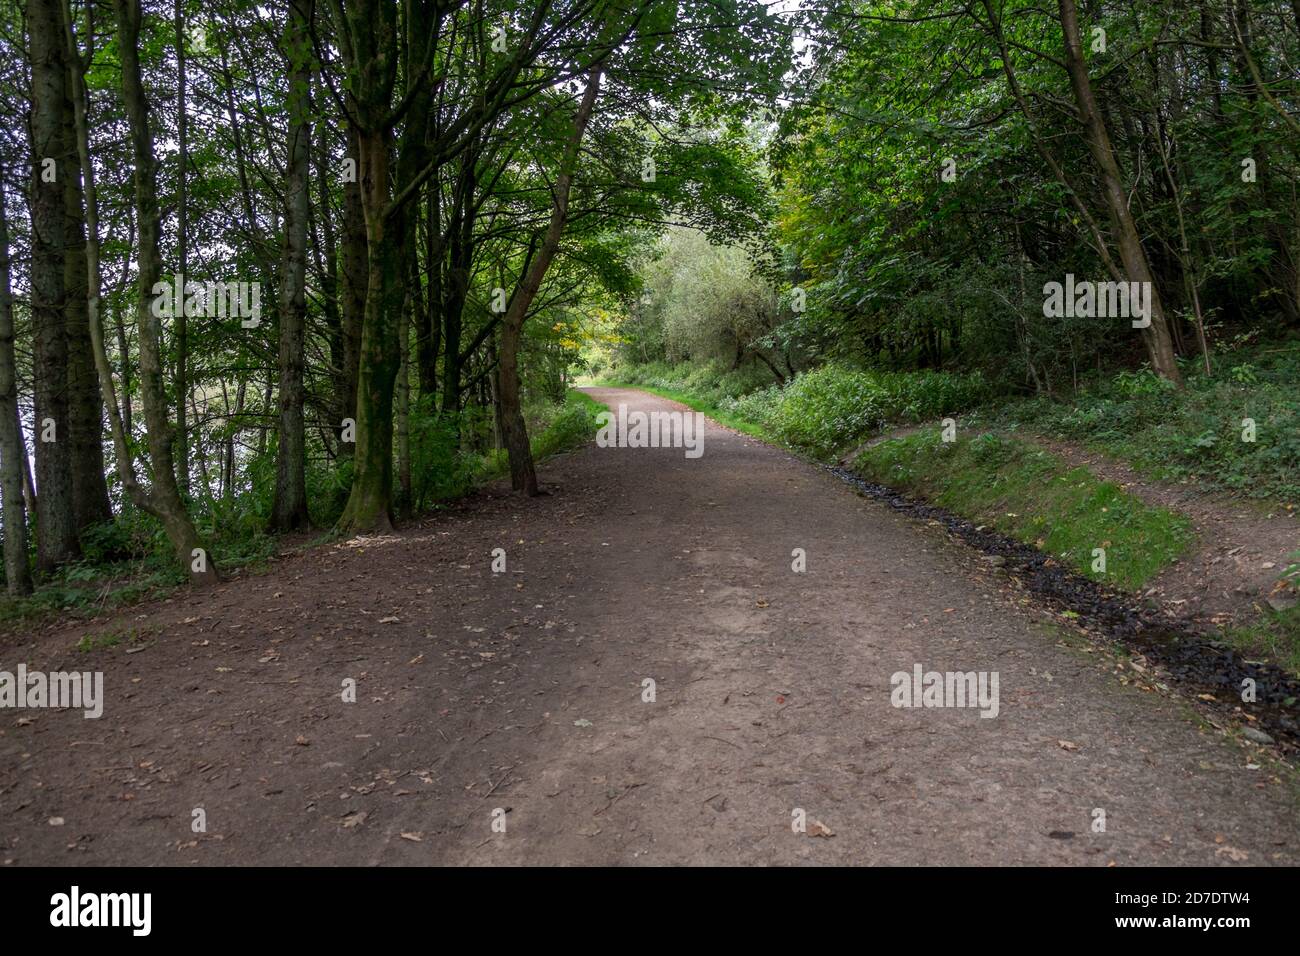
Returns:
<point x="1193" y="432"/>
<point x="822" y="411"/>
<point x="830" y="408"/>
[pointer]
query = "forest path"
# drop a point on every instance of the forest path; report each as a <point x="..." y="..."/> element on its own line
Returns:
<point x="522" y="692"/>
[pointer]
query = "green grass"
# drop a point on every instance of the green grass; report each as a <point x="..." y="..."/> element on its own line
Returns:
<point x="1274" y="635"/>
<point x="97" y="642"/>
<point x="1197" y="433"/>
<point x="63" y="600"/>
<point x="582" y="398"/>
<point x="1035" y="497"/>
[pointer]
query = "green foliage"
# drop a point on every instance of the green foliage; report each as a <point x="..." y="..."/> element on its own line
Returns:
<point x="821" y="412"/>
<point x="827" y="410"/>
<point x="1274" y="635"/>
<point x="571" y="427"/>
<point x="1033" y="496"/>
<point x="552" y="429"/>
<point x="115" y="638"/>
<point x="443" y="464"/>
<point x="1190" y="433"/>
<point x="710" y="382"/>
<point x="918" y="213"/>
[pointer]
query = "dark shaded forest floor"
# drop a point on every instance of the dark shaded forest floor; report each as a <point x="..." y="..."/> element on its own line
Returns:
<point x="522" y="693"/>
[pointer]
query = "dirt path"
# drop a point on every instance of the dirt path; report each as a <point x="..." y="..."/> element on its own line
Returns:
<point x="523" y="692"/>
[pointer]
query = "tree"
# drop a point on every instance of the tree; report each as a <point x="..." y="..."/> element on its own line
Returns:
<point x="163" y="499"/>
<point x="18" y="576"/>
<point x="523" y="474"/>
<point x="1131" y="253"/>
<point x="56" y="520"/>
<point x="289" y="511"/>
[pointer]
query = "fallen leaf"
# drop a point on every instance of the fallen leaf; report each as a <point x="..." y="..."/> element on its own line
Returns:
<point x="819" y="829"/>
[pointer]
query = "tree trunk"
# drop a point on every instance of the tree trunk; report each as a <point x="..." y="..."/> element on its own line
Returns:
<point x="372" y="477"/>
<point x="409" y="310"/>
<point x="1132" y="255"/>
<point x="289" y="510"/>
<point x="460" y="260"/>
<point x="85" y="407"/>
<point x="325" y="253"/>
<point x="182" y="254"/>
<point x="18" y="575"/>
<point x="352" y="290"/>
<point x="232" y="429"/>
<point x="119" y="424"/>
<point x="494" y="381"/>
<point x="523" y="473"/>
<point x="163" y="500"/>
<point x="56" y="522"/>
<point x="430" y="332"/>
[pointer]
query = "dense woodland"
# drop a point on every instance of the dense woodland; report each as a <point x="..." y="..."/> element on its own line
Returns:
<point x="403" y="226"/>
<point x="937" y="163"/>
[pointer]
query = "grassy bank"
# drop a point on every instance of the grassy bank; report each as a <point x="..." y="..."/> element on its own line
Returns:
<point x="1237" y="429"/>
<point x="1033" y="496"/>
<point x="552" y="429"/>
